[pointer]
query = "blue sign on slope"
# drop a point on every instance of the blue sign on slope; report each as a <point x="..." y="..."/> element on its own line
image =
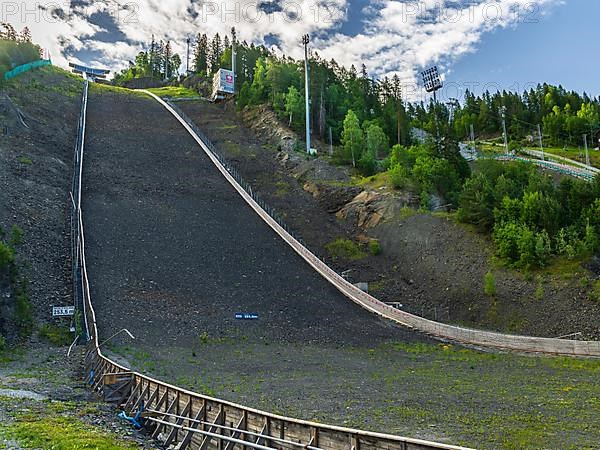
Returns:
<point x="246" y="316"/>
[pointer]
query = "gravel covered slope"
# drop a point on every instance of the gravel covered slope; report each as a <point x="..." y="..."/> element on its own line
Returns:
<point x="173" y="252"/>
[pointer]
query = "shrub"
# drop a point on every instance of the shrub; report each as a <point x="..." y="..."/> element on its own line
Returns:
<point x="595" y="294"/>
<point x="23" y="315"/>
<point x="522" y="246"/>
<point x="16" y="235"/>
<point x="2" y="343"/>
<point x="398" y="177"/>
<point x="374" y="247"/>
<point x="476" y="202"/>
<point x="7" y="255"/>
<point x="56" y="335"/>
<point x="344" y="249"/>
<point x="425" y="202"/>
<point x="489" y="284"/>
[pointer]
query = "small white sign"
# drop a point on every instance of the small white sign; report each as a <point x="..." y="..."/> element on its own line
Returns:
<point x="63" y="311"/>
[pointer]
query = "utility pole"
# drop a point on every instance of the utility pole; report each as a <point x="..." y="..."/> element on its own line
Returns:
<point x="541" y="142"/>
<point x="587" y="154"/>
<point x="472" y="136"/>
<point x="187" y="65"/>
<point x="330" y="143"/>
<point x="504" y="129"/>
<point x="233" y="38"/>
<point x="305" y="41"/>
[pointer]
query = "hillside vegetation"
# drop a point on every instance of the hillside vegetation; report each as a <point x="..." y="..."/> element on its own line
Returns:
<point x="16" y="48"/>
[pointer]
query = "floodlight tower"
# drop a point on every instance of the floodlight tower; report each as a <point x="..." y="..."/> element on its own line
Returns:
<point x="187" y="65"/>
<point x="433" y="83"/>
<point x="233" y="38"/>
<point x="305" y="41"/>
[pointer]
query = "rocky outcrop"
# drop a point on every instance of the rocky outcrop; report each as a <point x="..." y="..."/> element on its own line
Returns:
<point x="371" y="208"/>
<point x="265" y="123"/>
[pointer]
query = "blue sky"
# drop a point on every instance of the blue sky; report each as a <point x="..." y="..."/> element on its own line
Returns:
<point x="390" y="36"/>
<point x="562" y="48"/>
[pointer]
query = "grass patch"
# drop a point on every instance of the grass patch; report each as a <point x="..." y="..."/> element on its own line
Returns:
<point x="595" y="293"/>
<point x="489" y="284"/>
<point x="56" y="335"/>
<point x="407" y="212"/>
<point x="61" y="434"/>
<point x="173" y="92"/>
<point x="539" y="290"/>
<point x="345" y="249"/>
<point x="375" y="247"/>
<point x="25" y="160"/>
<point x="376" y="181"/>
<point x="283" y="189"/>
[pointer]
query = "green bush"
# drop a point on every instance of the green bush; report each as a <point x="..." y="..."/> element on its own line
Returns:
<point x="398" y="177"/>
<point x="476" y="202"/>
<point x="56" y="335"/>
<point x="23" y="314"/>
<point x="16" y="235"/>
<point x="374" y="247"/>
<point x="521" y="246"/>
<point x="345" y="249"/>
<point x="595" y="293"/>
<point x="7" y="255"/>
<point x="2" y="343"/>
<point x="489" y="284"/>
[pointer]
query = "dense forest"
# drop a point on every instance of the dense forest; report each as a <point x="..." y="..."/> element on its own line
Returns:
<point x="530" y="217"/>
<point x="16" y="48"/>
<point x="157" y="62"/>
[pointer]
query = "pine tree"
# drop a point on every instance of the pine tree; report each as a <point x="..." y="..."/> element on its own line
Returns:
<point x="9" y="33"/>
<point x="201" y="54"/>
<point x="25" y="35"/>
<point x="215" y="53"/>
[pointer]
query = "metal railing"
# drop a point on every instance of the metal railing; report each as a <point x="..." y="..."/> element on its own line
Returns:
<point x="190" y="420"/>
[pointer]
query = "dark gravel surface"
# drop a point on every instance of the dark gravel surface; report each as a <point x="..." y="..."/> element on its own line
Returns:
<point x="173" y="252"/>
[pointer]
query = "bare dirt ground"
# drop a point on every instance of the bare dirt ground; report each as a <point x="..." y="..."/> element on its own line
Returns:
<point x="430" y="264"/>
<point x="173" y="254"/>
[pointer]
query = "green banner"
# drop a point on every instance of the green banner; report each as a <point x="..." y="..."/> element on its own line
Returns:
<point x="25" y="67"/>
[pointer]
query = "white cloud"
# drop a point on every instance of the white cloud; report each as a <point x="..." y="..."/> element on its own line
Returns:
<point x="398" y="36"/>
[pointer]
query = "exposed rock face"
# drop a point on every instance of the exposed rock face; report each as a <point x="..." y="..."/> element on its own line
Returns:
<point x="370" y="208"/>
<point x="331" y="198"/>
<point x="266" y="124"/>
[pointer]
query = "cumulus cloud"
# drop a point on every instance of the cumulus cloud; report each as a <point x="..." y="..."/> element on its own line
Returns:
<point x="396" y="36"/>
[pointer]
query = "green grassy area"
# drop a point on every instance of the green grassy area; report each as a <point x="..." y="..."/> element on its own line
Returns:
<point x="99" y="88"/>
<point x="55" y="334"/>
<point x="49" y="79"/>
<point x="437" y="392"/>
<point x="576" y="154"/>
<point x="51" y="425"/>
<point x="174" y="92"/>
<point x="345" y="249"/>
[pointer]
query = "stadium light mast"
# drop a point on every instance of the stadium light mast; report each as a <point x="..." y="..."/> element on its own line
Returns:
<point x="305" y="41"/>
<point x="233" y="38"/>
<point x="187" y="65"/>
<point x="433" y="83"/>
